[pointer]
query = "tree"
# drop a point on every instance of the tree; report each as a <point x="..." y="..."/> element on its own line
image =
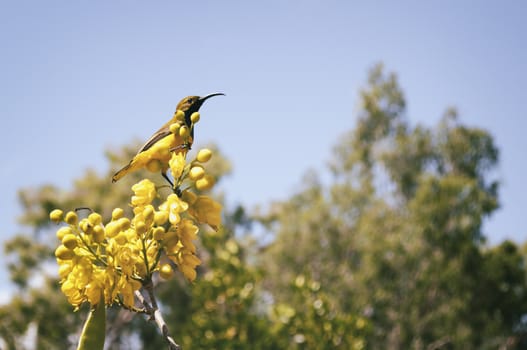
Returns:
<point x="396" y="235"/>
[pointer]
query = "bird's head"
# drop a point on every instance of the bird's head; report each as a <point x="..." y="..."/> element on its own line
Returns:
<point x="191" y="104"/>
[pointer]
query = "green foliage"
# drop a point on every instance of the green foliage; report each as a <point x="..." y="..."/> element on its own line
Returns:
<point x="396" y="235"/>
<point x="312" y="321"/>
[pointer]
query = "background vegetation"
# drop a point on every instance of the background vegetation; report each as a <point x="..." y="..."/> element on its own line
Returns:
<point x="382" y="248"/>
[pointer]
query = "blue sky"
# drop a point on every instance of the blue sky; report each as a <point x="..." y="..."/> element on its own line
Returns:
<point x="79" y="77"/>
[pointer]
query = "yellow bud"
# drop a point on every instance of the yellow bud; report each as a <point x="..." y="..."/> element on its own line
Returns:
<point x="166" y="271"/>
<point x="64" y="253"/>
<point x="124" y="223"/>
<point x="148" y="214"/>
<point x="140" y="227"/>
<point x="154" y="166"/>
<point x="189" y="197"/>
<point x="174" y="127"/>
<point x="63" y="231"/>
<point x="204" y="155"/>
<point x="184" y="131"/>
<point x="160" y="217"/>
<point x="159" y="233"/>
<point x="71" y="218"/>
<point x="117" y="213"/>
<point x="121" y="238"/>
<point x="98" y="234"/>
<point x="195" y="117"/>
<point x="196" y="172"/>
<point x="69" y="241"/>
<point x="95" y="219"/>
<point x="85" y="226"/>
<point x="180" y="115"/>
<point x="112" y="229"/>
<point x="205" y="183"/>
<point x="56" y="215"/>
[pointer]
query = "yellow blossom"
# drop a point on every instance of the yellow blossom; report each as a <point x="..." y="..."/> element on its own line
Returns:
<point x="158" y="233"/>
<point x="148" y="215"/>
<point x="196" y="172"/>
<point x="187" y="232"/>
<point x="74" y="296"/>
<point x="70" y="241"/>
<point x="71" y="218"/>
<point x="206" y="211"/>
<point x="127" y="289"/>
<point x="184" y="131"/>
<point x="85" y="226"/>
<point x="205" y="183"/>
<point x="145" y="192"/>
<point x="95" y="219"/>
<point x="177" y="164"/>
<point x="195" y="117"/>
<point x="94" y="287"/>
<point x="166" y="271"/>
<point x="111" y="259"/>
<point x="117" y="213"/>
<point x="189" y="197"/>
<point x="204" y="155"/>
<point x="98" y="234"/>
<point x="112" y="229"/>
<point x="187" y="263"/>
<point x="56" y="215"/>
<point x="174" y="206"/>
<point x="126" y="259"/>
<point x="63" y="231"/>
<point x="160" y="217"/>
<point x="174" y="127"/>
<point x="189" y="272"/>
<point x="63" y="253"/>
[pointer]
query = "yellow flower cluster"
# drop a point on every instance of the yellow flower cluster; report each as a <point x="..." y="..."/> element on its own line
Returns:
<point x="115" y="259"/>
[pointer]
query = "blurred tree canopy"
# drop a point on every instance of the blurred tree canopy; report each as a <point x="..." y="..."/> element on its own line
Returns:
<point x="387" y="254"/>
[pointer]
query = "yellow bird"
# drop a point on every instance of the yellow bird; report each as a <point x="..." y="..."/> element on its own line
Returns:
<point x="156" y="152"/>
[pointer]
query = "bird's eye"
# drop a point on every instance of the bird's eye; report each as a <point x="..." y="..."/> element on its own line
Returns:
<point x="189" y="100"/>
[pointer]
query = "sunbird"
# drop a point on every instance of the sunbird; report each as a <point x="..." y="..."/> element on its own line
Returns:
<point x="153" y="155"/>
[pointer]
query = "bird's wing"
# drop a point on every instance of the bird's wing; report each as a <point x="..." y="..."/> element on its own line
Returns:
<point x="161" y="133"/>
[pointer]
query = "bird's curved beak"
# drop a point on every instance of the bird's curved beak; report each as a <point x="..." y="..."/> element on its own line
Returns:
<point x="202" y="99"/>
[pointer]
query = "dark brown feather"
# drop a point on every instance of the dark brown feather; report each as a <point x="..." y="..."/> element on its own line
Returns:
<point x="160" y="134"/>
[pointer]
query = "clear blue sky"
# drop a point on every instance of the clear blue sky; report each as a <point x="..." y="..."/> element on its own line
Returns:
<point x="78" y="77"/>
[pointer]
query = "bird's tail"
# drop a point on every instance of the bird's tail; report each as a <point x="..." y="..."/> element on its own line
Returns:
<point x="121" y="172"/>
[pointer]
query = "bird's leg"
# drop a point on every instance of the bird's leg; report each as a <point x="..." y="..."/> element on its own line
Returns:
<point x="167" y="178"/>
<point x="176" y="190"/>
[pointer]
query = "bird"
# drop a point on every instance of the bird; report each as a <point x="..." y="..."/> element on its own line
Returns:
<point x="153" y="155"/>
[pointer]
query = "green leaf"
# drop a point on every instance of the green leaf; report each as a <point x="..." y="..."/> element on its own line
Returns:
<point x="92" y="337"/>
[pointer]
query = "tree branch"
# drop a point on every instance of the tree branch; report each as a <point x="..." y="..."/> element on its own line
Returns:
<point x="155" y="315"/>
